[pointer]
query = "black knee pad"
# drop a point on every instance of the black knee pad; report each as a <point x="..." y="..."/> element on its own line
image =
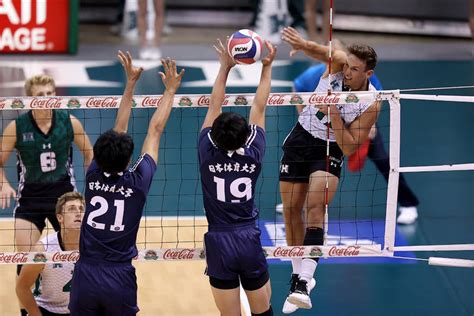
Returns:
<point x="269" y="312"/>
<point x="252" y="284"/>
<point x="224" y="284"/>
<point x="18" y="269"/>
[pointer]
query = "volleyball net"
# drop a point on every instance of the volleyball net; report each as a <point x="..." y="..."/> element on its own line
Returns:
<point x="361" y="218"/>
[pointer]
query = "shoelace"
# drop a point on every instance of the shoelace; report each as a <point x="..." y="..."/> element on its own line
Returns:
<point x="302" y="287"/>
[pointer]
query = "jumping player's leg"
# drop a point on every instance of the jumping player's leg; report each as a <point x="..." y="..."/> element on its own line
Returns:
<point x="293" y="195"/>
<point x="226" y="295"/>
<point x="258" y="295"/>
<point x="27" y="234"/>
<point x="314" y="232"/>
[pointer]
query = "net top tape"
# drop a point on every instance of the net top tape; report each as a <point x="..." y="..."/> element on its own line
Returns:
<point x="186" y="254"/>
<point x="190" y="100"/>
<point x="202" y="100"/>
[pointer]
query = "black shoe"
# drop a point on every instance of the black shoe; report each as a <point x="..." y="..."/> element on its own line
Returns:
<point x="293" y="281"/>
<point x="300" y="297"/>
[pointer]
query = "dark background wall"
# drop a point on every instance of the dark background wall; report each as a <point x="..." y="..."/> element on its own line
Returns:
<point x="425" y="9"/>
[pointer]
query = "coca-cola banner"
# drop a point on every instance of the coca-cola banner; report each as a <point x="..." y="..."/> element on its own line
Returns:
<point x="38" y="26"/>
<point x="180" y="254"/>
<point x="192" y="100"/>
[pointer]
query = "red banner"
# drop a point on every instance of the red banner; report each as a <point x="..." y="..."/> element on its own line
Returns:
<point x="34" y="26"/>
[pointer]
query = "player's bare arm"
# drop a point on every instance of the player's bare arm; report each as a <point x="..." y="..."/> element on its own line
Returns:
<point x="257" y="112"/>
<point x="82" y="141"/>
<point x="28" y="275"/>
<point x="218" y="90"/>
<point x="313" y="49"/>
<point x="171" y="80"/>
<point x="125" y="108"/>
<point x="350" y="138"/>
<point x="8" y="144"/>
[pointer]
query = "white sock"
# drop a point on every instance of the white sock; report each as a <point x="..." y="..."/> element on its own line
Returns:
<point x="308" y="267"/>
<point x="296" y="264"/>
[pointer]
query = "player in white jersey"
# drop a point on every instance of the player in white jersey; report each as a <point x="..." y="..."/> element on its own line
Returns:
<point x="52" y="281"/>
<point x="303" y="170"/>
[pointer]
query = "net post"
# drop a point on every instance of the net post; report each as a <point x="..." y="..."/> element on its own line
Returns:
<point x="392" y="189"/>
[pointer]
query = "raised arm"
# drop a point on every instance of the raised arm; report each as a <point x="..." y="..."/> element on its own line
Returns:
<point x="7" y="145"/>
<point x="313" y="49"/>
<point x="28" y="275"/>
<point x="82" y="141"/>
<point x="171" y="80"/>
<point x="350" y="138"/>
<point x="133" y="74"/>
<point x="218" y="90"/>
<point x="257" y="111"/>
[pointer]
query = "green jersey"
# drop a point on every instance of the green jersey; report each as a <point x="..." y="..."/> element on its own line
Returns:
<point x="44" y="160"/>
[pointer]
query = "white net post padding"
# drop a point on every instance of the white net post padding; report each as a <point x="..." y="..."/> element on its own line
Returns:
<point x="392" y="190"/>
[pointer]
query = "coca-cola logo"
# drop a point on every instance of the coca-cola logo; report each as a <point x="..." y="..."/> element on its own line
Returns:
<point x="151" y="102"/>
<point x="65" y="257"/>
<point x="324" y="99"/>
<point x="203" y="100"/>
<point x="349" y="251"/>
<point x="289" y="252"/>
<point x="183" y="254"/>
<point x="49" y="103"/>
<point x="276" y="99"/>
<point x="98" y="102"/>
<point x="19" y="257"/>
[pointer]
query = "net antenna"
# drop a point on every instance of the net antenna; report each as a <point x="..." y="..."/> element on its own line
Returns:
<point x="326" y="189"/>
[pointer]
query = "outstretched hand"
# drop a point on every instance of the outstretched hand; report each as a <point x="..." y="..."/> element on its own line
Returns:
<point x="133" y="73"/>
<point x="267" y="60"/>
<point x="224" y="57"/>
<point x="170" y="77"/>
<point x="292" y="37"/>
<point x="6" y="194"/>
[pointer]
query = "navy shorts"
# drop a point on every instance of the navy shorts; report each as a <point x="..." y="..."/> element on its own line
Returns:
<point x="235" y="251"/>
<point x="105" y="289"/>
<point x="304" y="154"/>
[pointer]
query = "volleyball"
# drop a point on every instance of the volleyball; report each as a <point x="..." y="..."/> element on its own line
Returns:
<point x="245" y="46"/>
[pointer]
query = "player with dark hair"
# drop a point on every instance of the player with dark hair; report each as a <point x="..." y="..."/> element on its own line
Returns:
<point x="230" y="160"/>
<point x="104" y="281"/>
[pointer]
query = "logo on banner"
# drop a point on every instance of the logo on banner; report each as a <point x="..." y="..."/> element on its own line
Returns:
<point x="240" y="100"/>
<point x="185" y="101"/>
<point x="352" y="98"/>
<point x="349" y="251"/>
<point x="73" y="104"/>
<point x="17" y="104"/>
<point x="151" y="255"/>
<point x="40" y="257"/>
<point x="296" y="99"/>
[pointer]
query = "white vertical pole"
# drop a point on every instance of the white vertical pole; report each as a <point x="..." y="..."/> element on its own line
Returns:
<point x="392" y="190"/>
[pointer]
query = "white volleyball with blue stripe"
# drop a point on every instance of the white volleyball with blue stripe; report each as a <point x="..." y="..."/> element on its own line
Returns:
<point x="245" y="46"/>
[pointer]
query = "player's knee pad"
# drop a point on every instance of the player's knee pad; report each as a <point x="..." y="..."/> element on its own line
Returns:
<point x="18" y="269"/>
<point x="224" y="284"/>
<point x="269" y="312"/>
<point x="252" y="284"/>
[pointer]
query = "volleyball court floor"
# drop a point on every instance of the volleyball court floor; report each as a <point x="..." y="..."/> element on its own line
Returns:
<point x="431" y="133"/>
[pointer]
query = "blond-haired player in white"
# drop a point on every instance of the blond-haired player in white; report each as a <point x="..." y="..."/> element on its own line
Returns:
<point x="52" y="281"/>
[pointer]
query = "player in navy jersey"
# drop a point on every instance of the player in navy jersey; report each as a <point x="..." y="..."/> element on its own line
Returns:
<point x="230" y="157"/>
<point x="104" y="281"/>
